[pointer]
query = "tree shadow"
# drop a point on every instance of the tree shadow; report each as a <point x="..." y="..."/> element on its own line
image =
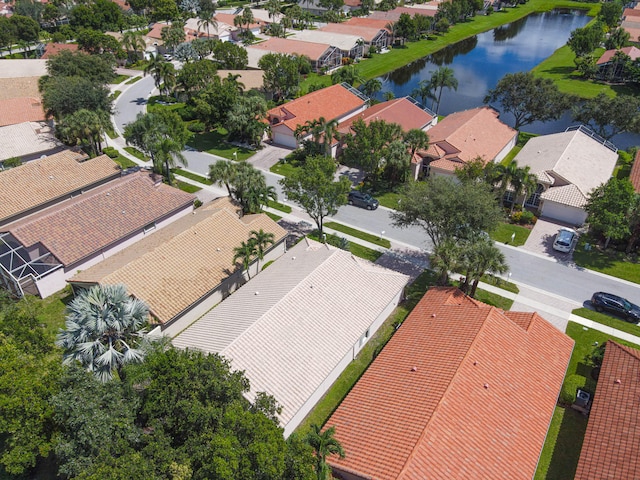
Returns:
<point x="566" y="453"/>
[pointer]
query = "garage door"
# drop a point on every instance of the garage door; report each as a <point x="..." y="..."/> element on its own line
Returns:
<point x="563" y="213"/>
<point x="284" y="140"/>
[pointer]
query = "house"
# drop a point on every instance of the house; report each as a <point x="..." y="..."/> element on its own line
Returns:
<point x="610" y="69"/>
<point x="458" y="392"/>
<point x="228" y="19"/>
<point x="21" y="110"/>
<point x="297" y="325"/>
<point x="322" y="56"/>
<point x="631" y="25"/>
<point x="610" y="446"/>
<point x="38" y="253"/>
<point x="51" y="180"/>
<point x="427" y="10"/>
<point x="463" y="137"/>
<point x="634" y="176"/>
<point x="568" y="165"/>
<point x="378" y="37"/>
<point x="28" y="140"/>
<point x="186" y="268"/>
<point x="314" y="7"/>
<point x="264" y="16"/>
<point x="352" y="46"/>
<point x="51" y="49"/>
<point x="222" y="31"/>
<point x="367" y="22"/>
<point x="337" y="102"/>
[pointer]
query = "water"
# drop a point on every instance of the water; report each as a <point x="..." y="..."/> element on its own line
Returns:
<point x="481" y="61"/>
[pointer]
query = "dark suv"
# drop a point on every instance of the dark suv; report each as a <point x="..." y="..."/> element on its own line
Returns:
<point x="617" y="305"/>
<point x="363" y="200"/>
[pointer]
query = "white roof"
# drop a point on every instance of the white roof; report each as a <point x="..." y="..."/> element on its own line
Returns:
<point x="254" y="55"/>
<point x="566" y="195"/>
<point x="573" y="156"/>
<point x="342" y="41"/>
<point x="222" y="28"/>
<point x="15" y="68"/>
<point x="26" y="138"/>
<point x="290" y="326"/>
<point x="262" y="14"/>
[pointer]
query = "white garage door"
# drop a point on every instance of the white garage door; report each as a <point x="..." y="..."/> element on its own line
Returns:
<point x="563" y="213"/>
<point x="284" y="140"/>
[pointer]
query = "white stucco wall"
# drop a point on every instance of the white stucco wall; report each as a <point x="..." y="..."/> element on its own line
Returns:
<point x="563" y="213"/>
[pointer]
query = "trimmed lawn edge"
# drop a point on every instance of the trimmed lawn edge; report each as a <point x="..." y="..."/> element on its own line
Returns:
<point x="367" y="237"/>
<point x="607" y="320"/>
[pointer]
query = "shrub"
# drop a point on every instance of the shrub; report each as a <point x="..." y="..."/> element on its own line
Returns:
<point x="11" y="162"/>
<point x="197" y="203"/>
<point x="516" y="217"/>
<point x="570" y="388"/>
<point x="527" y="217"/>
<point x="111" y="152"/>
<point x="196" y="127"/>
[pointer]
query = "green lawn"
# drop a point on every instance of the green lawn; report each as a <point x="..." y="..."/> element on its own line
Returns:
<point x="215" y="142"/>
<point x="137" y="153"/>
<point x="388" y="199"/>
<point x="383" y="242"/>
<point x="153" y="105"/>
<point x="124" y="162"/>
<point x="325" y="407"/>
<point x="119" y="79"/>
<point x="354" y="248"/>
<point x="284" y="169"/>
<point x="609" y="261"/>
<point x="500" y="283"/>
<point x="51" y="310"/>
<point x="115" y="94"/>
<point x="490" y="298"/>
<point x="273" y="217"/>
<point x="561" y="451"/>
<point x="279" y="206"/>
<point x="504" y="231"/>
<point x="133" y="80"/>
<point x="186" y="187"/>
<point x="192" y="176"/>
<point x="608" y="320"/>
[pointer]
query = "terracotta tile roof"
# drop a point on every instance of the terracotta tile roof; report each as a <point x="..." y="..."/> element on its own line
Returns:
<point x="612" y="441"/>
<point x="470" y="134"/>
<point x="19" y="110"/>
<point x="394" y="15"/>
<point x="156" y="30"/>
<point x="632" y="52"/>
<point x="459" y="392"/>
<point x="367" y="22"/>
<point x="634" y="176"/>
<point x="283" y="45"/>
<point x="52" y="49"/>
<point x="228" y="19"/>
<point x="367" y="33"/>
<point x="176" y="266"/>
<point x="353" y="3"/>
<point x="84" y="225"/>
<point x="401" y="111"/>
<point x="330" y="103"/>
<point x="38" y="182"/>
<point x="122" y="4"/>
<point x="630" y="12"/>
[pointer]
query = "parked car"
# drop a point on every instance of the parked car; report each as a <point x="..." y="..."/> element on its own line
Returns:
<point x="564" y="240"/>
<point x="621" y="307"/>
<point x="363" y="200"/>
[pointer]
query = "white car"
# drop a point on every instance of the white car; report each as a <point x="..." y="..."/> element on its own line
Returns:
<point x="565" y="239"/>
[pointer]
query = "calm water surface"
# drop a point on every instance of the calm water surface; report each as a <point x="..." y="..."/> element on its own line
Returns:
<point x="481" y="61"/>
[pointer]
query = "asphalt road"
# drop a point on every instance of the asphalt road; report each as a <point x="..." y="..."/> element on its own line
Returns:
<point x="537" y="271"/>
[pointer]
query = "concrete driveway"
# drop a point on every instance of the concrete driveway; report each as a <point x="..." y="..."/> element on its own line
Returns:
<point x="269" y="155"/>
<point x="541" y="240"/>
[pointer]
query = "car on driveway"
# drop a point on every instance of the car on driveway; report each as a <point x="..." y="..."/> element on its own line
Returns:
<point x="621" y="307"/>
<point x="363" y="200"/>
<point x="565" y="238"/>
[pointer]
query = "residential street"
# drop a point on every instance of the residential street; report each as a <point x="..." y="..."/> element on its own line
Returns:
<point x="529" y="269"/>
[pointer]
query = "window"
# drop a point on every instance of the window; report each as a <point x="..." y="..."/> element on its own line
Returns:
<point x="534" y="199"/>
<point x="148" y="228"/>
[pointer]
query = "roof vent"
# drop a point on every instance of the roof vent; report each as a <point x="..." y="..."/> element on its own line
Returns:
<point x="293" y="258"/>
<point x="414" y="369"/>
<point x="486" y="385"/>
<point x="108" y="194"/>
<point x="618" y="381"/>
<point x="218" y="249"/>
<point x="124" y="211"/>
<point x="50" y="177"/>
<point x="433" y="315"/>
<point x="475" y="362"/>
<point x="257" y="293"/>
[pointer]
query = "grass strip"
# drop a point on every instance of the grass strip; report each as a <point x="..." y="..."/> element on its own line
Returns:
<point x="137" y="153"/>
<point x="192" y="176"/>
<point x="284" y="169"/>
<point x="132" y="81"/>
<point x="610" y="261"/>
<point x="504" y="231"/>
<point x="355" y="249"/>
<point x="115" y="94"/>
<point x="273" y="217"/>
<point x="119" y="79"/>
<point x="187" y="187"/>
<point x="382" y="242"/>
<point x="279" y="206"/>
<point x="607" y="320"/>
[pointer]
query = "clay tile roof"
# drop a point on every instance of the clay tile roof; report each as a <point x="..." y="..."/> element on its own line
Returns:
<point x="367" y="22"/>
<point x="401" y="111"/>
<point x="472" y="133"/>
<point x="52" y="49"/>
<point x="458" y="393"/>
<point x="631" y="52"/>
<point x="612" y="441"/>
<point x="567" y="195"/>
<point x="283" y="45"/>
<point x="39" y="182"/>
<point x="367" y="33"/>
<point x="630" y="12"/>
<point x="176" y="266"/>
<point x="86" y="224"/>
<point x="634" y="176"/>
<point x="394" y="15"/>
<point x="330" y="103"/>
<point x="18" y="110"/>
<point x="156" y="30"/>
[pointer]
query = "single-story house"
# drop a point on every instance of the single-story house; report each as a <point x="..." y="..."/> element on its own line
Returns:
<point x="264" y="16"/>
<point x="337" y="102"/>
<point x="459" y="392"/>
<point x="314" y="7"/>
<point x="51" y="49"/>
<point x="610" y="446"/>
<point x="428" y="10"/>
<point x="630" y="12"/>
<point x="222" y="31"/>
<point x="568" y="165"/>
<point x="38" y="253"/>
<point x="322" y="56"/>
<point x="609" y="69"/>
<point x="298" y="324"/>
<point x="367" y="22"/>
<point x="379" y="37"/>
<point x="352" y="46"/>
<point x="463" y="137"/>
<point x="632" y="26"/>
<point x="20" y="110"/>
<point x="28" y="140"/>
<point x="51" y="180"/>
<point x="251" y="79"/>
<point x="229" y="19"/>
<point x="634" y="176"/>
<point x="186" y="268"/>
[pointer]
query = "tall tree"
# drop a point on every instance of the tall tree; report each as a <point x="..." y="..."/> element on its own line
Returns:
<point x="63" y="96"/>
<point x="424" y="91"/>
<point x="314" y="189"/>
<point x="261" y="241"/>
<point x="104" y="329"/>
<point x="281" y="75"/>
<point x="608" y="207"/>
<point x="371" y="87"/>
<point x="273" y="8"/>
<point x="324" y="445"/>
<point x="245" y="121"/>
<point x="133" y="42"/>
<point x="84" y="127"/>
<point x="244" y="182"/>
<point x="155" y="68"/>
<point x="443" y="77"/>
<point x="610" y="116"/>
<point x="529" y="98"/>
<point x="173" y="35"/>
<point x="245" y="253"/>
<point x="416" y="139"/>
<point x="480" y="256"/>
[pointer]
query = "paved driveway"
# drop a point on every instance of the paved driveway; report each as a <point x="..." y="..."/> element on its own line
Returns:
<point x="541" y="240"/>
<point x="267" y="157"/>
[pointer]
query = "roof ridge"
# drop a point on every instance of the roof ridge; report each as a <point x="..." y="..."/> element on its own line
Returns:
<point x="635" y="353"/>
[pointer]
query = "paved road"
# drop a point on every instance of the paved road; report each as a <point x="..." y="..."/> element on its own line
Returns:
<point x="538" y="271"/>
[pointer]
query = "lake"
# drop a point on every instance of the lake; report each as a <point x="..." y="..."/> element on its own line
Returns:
<point x="481" y="61"/>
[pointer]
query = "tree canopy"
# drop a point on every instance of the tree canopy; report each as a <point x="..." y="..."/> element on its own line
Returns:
<point x="610" y="116"/>
<point x="608" y="208"/>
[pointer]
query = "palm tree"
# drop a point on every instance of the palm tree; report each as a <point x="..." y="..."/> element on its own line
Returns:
<point x="154" y="68"/>
<point x="504" y="177"/>
<point x="328" y="128"/>
<point x="424" y="91"/>
<point x="273" y="8"/>
<point x="371" y="87"/>
<point x="247" y="17"/>
<point x="442" y="78"/>
<point x="324" y="445"/>
<point x="388" y="95"/>
<point x="487" y="258"/>
<point x="244" y="252"/>
<point x="524" y="183"/>
<point x="133" y="41"/>
<point x="446" y="258"/>
<point x="285" y="22"/>
<point x="167" y="152"/>
<point x="167" y="73"/>
<point x="222" y="173"/>
<point x="84" y="126"/>
<point x="261" y="241"/>
<point x="415" y="140"/>
<point x="208" y="19"/>
<point x="103" y="330"/>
